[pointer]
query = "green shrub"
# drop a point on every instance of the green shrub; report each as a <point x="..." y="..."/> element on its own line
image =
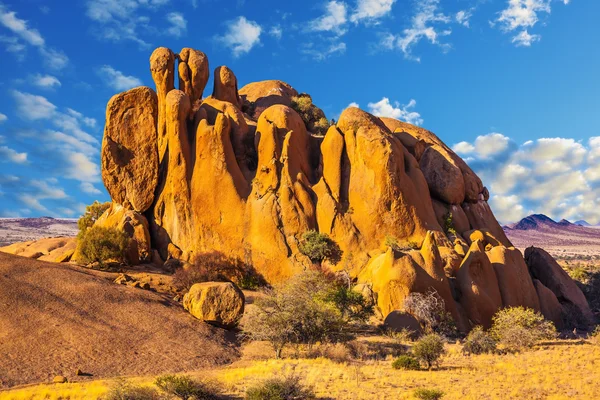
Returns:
<point x="479" y="341"/>
<point x="100" y="244"/>
<point x="91" y="215"/>
<point x="519" y="328"/>
<point x="286" y="388"/>
<point x="352" y="305"/>
<point x="319" y="247"/>
<point x="430" y="310"/>
<point x="184" y="387"/>
<point x="429" y="349"/>
<point x="428" y="394"/>
<point x="406" y="362"/>
<point x="313" y="117"/>
<point x="449" y="224"/>
<point x="309" y="308"/>
<point x="123" y="390"/>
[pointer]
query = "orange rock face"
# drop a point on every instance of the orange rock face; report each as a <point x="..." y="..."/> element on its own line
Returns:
<point x="129" y="148"/>
<point x="240" y="174"/>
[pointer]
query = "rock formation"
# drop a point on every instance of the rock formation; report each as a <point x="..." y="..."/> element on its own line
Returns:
<point x="218" y="303"/>
<point x="240" y="173"/>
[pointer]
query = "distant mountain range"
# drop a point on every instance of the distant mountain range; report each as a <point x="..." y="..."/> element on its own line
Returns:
<point x="543" y="222"/>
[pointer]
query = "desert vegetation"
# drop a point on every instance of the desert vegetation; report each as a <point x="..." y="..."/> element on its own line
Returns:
<point x="319" y="247"/>
<point x="101" y="245"/>
<point x="313" y="117"/>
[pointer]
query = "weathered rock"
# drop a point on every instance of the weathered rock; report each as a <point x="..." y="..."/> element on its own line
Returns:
<point x="545" y="269"/>
<point x="451" y="213"/>
<point x="135" y="227"/>
<point x="481" y="217"/>
<point x="476" y="279"/>
<point x="399" y="321"/>
<point x="514" y="281"/>
<point x="129" y="148"/>
<point x="444" y="177"/>
<point x="218" y="303"/>
<point x="258" y="96"/>
<point x="162" y="66"/>
<point x="193" y="74"/>
<point x="226" y="87"/>
<point x="59" y="379"/>
<point x="58" y="249"/>
<point x="549" y="305"/>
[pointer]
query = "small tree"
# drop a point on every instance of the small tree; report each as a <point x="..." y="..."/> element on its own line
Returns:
<point x="91" y="215"/>
<point x="429" y="349"/>
<point x="430" y="310"/>
<point x="184" y="387"/>
<point x="479" y="341"/>
<point x="519" y="328"/>
<point x="406" y="362"/>
<point x="319" y="247"/>
<point x="101" y="244"/>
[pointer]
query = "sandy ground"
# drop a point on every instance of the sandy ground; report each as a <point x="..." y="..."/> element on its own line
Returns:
<point x="57" y="318"/>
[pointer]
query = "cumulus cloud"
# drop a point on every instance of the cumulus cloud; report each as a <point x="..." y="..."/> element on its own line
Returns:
<point x="53" y="58"/>
<point x="520" y="16"/>
<point x="371" y="10"/>
<point x="241" y="36"/>
<point x="333" y="20"/>
<point x="117" y="80"/>
<point x="178" y="24"/>
<point x="45" y="81"/>
<point x="559" y="177"/>
<point x="384" y="108"/>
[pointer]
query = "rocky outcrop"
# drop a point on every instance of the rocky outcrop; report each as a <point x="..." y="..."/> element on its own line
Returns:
<point x="58" y="249"/>
<point x="545" y="269"/>
<point x="129" y="148"/>
<point x="218" y="303"/>
<point x="240" y="173"/>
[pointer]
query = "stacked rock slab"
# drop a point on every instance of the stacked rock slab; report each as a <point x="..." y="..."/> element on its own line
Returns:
<point x="238" y="172"/>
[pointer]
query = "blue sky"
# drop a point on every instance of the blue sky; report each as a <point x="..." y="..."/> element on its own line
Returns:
<point x="512" y="85"/>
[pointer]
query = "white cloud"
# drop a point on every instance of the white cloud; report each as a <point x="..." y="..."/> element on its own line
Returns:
<point x="89" y="188"/>
<point x="241" y="36"/>
<point x="45" y="81"/>
<point x="33" y="107"/>
<point x="333" y="20"/>
<point x="463" y="17"/>
<point x="117" y="80"/>
<point x="3" y="117"/>
<point x="20" y="27"/>
<point x="384" y="108"/>
<point x="80" y="167"/>
<point x="353" y="104"/>
<point x="122" y="20"/>
<point x="321" y="54"/>
<point x="91" y="122"/>
<point x="521" y="15"/>
<point x="559" y="177"/>
<point x="54" y="59"/>
<point x="424" y="26"/>
<point x="276" y="32"/>
<point x="371" y="10"/>
<point x="178" y="24"/>
<point x="8" y="154"/>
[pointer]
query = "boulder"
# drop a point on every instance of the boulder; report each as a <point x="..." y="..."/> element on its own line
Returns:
<point x="258" y="96"/>
<point x="162" y="67"/>
<point x="549" y="305"/>
<point x="480" y="217"/>
<point x="398" y="321"/>
<point x="546" y="270"/>
<point x="218" y="303"/>
<point x="478" y="286"/>
<point x="193" y="73"/>
<point x="226" y="87"/>
<point x="443" y="176"/>
<point x="58" y="249"/>
<point x="514" y="281"/>
<point x="135" y="227"/>
<point x="129" y="148"/>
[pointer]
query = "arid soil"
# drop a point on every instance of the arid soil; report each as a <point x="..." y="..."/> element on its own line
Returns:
<point x="14" y="230"/>
<point x="57" y="318"/>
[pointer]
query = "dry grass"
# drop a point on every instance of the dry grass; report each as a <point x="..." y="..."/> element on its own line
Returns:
<point x="557" y="370"/>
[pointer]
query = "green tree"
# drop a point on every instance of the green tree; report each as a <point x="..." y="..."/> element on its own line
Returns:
<point x="91" y="215"/>
<point x="100" y="244"/>
<point x="319" y="247"/>
<point x="429" y="349"/>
